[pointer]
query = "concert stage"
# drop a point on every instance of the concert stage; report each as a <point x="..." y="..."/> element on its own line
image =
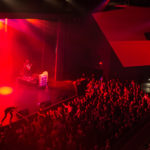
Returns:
<point x="28" y="97"/>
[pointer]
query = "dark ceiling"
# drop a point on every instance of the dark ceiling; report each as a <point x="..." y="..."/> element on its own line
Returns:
<point x="145" y="3"/>
<point x="49" y="6"/>
<point x="53" y="8"/>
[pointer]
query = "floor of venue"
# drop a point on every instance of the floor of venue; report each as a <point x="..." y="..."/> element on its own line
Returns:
<point x="29" y="97"/>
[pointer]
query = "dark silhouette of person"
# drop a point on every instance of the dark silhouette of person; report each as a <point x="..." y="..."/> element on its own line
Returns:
<point x="27" y="68"/>
<point x="7" y="111"/>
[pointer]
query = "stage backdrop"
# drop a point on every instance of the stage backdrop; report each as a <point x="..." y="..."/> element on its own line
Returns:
<point x="22" y="39"/>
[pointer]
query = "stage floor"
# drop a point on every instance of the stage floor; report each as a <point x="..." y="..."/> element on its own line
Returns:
<point x="30" y="97"/>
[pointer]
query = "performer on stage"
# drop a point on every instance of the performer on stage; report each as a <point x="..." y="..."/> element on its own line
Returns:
<point x="27" y="68"/>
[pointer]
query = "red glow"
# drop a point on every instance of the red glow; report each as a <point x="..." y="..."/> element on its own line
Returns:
<point x="20" y="39"/>
<point x="6" y="22"/>
<point x="34" y="21"/>
<point x="100" y="63"/>
<point x="1" y="25"/>
<point x="5" y="90"/>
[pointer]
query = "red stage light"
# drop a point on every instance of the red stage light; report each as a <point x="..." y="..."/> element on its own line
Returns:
<point x="6" y="22"/>
<point x="1" y="25"/>
<point x="34" y="21"/>
<point x="100" y="63"/>
<point x="5" y="90"/>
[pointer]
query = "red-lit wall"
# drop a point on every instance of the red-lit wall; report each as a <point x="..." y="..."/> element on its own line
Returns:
<point x="125" y="30"/>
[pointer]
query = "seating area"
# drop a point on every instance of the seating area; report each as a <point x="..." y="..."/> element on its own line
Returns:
<point x="93" y="121"/>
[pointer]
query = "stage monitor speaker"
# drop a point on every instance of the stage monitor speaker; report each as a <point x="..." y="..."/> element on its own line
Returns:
<point x="147" y="35"/>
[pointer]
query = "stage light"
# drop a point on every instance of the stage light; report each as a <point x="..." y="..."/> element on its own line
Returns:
<point x="1" y="25"/>
<point x="6" y="22"/>
<point x="5" y="90"/>
<point x="100" y="63"/>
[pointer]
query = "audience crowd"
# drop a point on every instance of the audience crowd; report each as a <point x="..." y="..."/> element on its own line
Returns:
<point x="93" y="121"/>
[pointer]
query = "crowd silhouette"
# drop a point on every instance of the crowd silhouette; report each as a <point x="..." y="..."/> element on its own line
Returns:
<point x="92" y="121"/>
